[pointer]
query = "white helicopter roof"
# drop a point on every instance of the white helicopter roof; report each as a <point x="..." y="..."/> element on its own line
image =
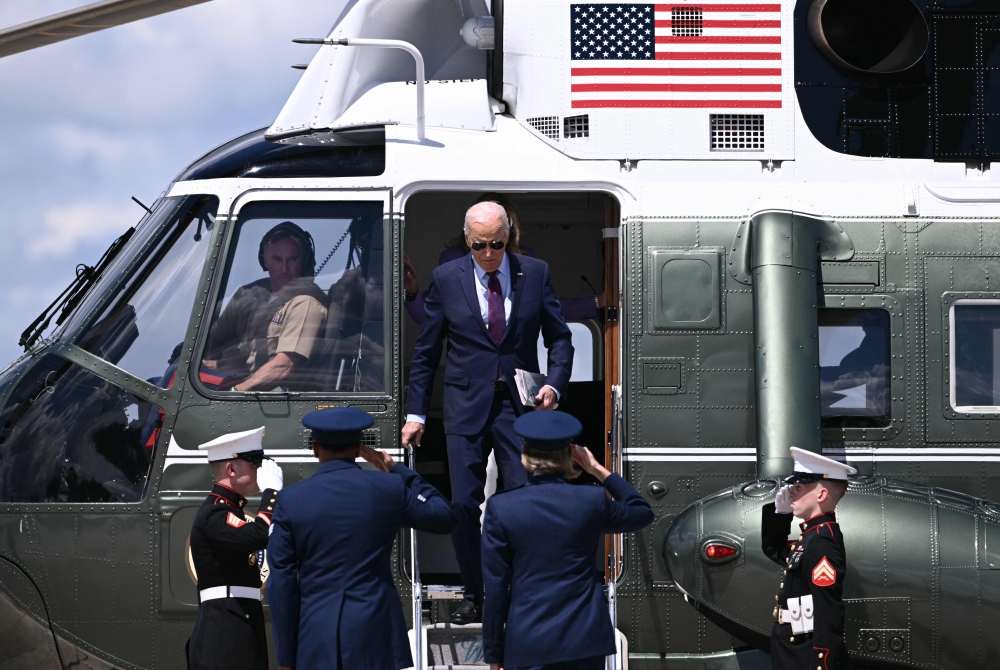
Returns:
<point x="601" y="80"/>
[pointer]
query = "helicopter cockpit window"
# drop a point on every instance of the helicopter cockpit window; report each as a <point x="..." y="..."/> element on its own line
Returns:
<point x="301" y="304"/>
<point x="854" y="368"/>
<point x="69" y="436"/>
<point x="143" y="328"/>
<point x="975" y="356"/>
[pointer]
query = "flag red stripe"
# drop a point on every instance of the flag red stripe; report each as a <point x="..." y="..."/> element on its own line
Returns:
<point x="667" y="23"/>
<point x="718" y="55"/>
<point x="687" y="88"/>
<point x="723" y="8"/>
<point x="719" y="39"/>
<point x="728" y="104"/>
<point x="674" y="72"/>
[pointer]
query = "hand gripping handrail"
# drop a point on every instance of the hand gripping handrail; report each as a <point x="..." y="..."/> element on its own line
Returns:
<point x="387" y="44"/>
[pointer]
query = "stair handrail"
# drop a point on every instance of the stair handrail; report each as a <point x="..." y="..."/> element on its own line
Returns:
<point x="417" y="590"/>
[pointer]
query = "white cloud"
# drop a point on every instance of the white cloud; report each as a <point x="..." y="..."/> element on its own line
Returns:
<point x="66" y="227"/>
<point x="91" y="121"/>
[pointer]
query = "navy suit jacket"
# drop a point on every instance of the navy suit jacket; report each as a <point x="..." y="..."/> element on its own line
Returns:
<point x="452" y="310"/>
<point x="540" y="541"/>
<point x="330" y="589"/>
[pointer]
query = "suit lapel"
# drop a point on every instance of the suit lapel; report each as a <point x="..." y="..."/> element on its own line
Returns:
<point x="468" y="284"/>
<point x="516" y="284"/>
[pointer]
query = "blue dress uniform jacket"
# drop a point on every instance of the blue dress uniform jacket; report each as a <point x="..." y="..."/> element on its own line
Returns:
<point x="452" y="310"/>
<point x="333" y="601"/>
<point x="539" y="546"/>
<point x="815" y="565"/>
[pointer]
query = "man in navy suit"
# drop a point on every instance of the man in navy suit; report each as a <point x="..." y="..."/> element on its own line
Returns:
<point x="491" y="306"/>
<point x="333" y="601"/>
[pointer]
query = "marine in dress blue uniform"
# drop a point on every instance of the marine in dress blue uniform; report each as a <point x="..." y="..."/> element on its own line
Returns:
<point x="333" y="601"/>
<point x="809" y="610"/>
<point x="544" y="605"/>
<point x="227" y="547"/>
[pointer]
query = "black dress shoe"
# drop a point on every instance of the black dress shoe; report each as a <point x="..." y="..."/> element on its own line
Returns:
<point x="466" y="614"/>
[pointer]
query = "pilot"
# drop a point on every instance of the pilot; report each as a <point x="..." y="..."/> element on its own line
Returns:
<point x="544" y="607"/>
<point x="269" y="330"/>
<point x="227" y="547"/>
<point x="809" y="613"/>
<point x="333" y="600"/>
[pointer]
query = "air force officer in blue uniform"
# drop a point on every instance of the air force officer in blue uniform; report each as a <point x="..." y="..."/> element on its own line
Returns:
<point x="491" y="305"/>
<point x="333" y="602"/>
<point x="545" y="607"/>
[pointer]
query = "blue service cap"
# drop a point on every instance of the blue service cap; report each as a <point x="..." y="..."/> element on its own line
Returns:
<point x="337" y="425"/>
<point x="547" y="431"/>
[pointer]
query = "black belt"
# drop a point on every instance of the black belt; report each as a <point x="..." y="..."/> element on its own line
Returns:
<point x="500" y="386"/>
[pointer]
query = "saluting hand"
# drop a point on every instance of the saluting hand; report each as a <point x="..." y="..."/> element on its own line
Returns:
<point x="381" y="460"/>
<point x="411" y="280"/>
<point x="587" y="461"/>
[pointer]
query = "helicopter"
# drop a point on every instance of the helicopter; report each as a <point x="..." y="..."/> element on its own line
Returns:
<point x="785" y="211"/>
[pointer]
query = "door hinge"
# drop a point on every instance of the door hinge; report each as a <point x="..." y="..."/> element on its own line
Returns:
<point x="612" y="314"/>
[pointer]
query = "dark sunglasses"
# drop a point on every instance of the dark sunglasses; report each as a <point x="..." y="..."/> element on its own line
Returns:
<point x="495" y="245"/>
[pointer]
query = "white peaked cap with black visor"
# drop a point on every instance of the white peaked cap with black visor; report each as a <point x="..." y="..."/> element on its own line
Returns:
<point x="246" y="445"/>
<point x="811" y="467"/>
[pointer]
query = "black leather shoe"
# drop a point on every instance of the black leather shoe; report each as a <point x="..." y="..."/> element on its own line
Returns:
<point x="466" y="614"/>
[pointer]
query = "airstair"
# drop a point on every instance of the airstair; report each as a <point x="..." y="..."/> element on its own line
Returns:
<point x="444" y="646"/>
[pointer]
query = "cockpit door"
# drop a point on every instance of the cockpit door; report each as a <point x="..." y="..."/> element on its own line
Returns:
<point x="299" y="315"/>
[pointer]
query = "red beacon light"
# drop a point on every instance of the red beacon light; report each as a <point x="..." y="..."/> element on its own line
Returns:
<point x="717" y="551"/>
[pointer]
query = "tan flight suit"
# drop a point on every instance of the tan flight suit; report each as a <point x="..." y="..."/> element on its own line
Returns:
<point x="256" y="326"/>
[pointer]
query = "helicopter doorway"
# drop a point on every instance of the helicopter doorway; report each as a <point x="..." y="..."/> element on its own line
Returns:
<point x="575" y="233"/>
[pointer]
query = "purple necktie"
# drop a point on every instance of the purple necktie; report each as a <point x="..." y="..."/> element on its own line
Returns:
<point x="496" y="319"/>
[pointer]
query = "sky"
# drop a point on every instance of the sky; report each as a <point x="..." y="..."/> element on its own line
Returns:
<point x="90" y="122"/>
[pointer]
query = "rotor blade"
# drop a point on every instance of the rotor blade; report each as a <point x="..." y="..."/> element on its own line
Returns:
<point x="82" y="21"/>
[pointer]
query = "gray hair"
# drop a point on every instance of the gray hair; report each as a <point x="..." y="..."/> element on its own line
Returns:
<point x="490" y="211"/>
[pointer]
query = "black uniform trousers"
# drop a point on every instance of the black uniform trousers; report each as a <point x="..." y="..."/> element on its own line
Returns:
<point x="229" y="633"/>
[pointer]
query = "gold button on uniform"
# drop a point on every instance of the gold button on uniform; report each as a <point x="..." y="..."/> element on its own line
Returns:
<point x="821" y="654"/>
<point x="776" y="598"/>
<point x="782" y="585"/>
<point x="791" y="639"/>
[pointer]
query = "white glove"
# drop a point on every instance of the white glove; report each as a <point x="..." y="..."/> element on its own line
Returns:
<point x="782" y="501"/>
<point x="270" y="476"/>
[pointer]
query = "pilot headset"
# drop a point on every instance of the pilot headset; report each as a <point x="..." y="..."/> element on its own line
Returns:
<point x="289" y="229"/>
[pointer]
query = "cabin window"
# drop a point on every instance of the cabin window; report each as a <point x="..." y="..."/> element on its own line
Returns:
<point x="588" y="343"/>
<point x="142" y="330"/>
<point x="301" y="305"/>
<point x="854" y="365"/>
<point x="975" y="356"/>
<point x="69" y="436"/>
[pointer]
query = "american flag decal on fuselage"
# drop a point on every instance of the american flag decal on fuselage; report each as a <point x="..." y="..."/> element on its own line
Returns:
<point x="675" y="55"/>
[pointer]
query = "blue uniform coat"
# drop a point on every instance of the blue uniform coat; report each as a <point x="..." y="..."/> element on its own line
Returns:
<point x="539" y="547"/>
<point x="452" y="310"/>
<point x="332" y="596"/>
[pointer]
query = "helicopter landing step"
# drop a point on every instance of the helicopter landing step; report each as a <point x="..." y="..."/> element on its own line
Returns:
<point x="451" y="647"/>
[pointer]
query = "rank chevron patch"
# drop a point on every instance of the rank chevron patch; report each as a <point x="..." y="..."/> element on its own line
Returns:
<point x="236" y="522"/>
<point x="824" y="574"/>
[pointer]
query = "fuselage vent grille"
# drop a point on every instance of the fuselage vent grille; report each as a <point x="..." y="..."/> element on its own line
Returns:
<point x="576" y="126"/>
<point x="546" y="125"/>
<point x="685" y="21"/>
<point x="737" y="132"/>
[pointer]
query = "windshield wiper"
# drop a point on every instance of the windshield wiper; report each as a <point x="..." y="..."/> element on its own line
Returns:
<point x="67" y="301"/>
